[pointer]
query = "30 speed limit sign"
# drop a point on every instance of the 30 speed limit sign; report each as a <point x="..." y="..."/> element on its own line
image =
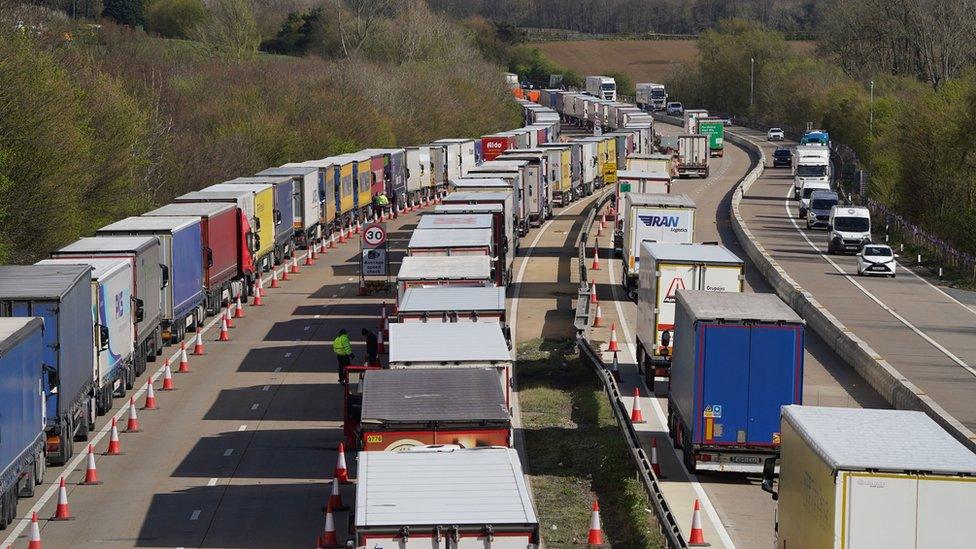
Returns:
<point x="374" y="235"/>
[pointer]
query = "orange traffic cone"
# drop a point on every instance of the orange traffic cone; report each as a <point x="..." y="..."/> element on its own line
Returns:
<point x="636" y="415"/>
<point x="167" y="377"/>
<point x="257" y="301"/>
<point x="132" y="426"/>
<point x="284" y="272"/>
<point x="328" y="538"/>
<point x="91" y="473"/>
<point x="595" y="538"/>
<point x="238" y="308"/>
<point x="224" y="335"/>
<point x="595" y="266"/>
<point x="198" y="345"/>
<point x="274" y="278"/>
<point x="341" y="472"/>
<point x="323" y="249"/>
<point x="184" y="362"/>
<point x="386" y="328"/>
<point x="615" y="368"/>
<point x="383" y="316"/>
<point x="114" y="446"/>
<point x="229" y="314"/>
<point x="260" y="286"/>
<point x="593" y="292"/>
<point x="335" y="499"/>
<point x="380" y="344"/>
<point x="35" y="534"/>
<point x="358" y="227"/>
<point x="598" y="319"/>
<point x="362" y="286"/>
<point x="342" y="235"/>
<point x="295" y="269"/>
<point x="613" y="338"/>
<point x="655" y="466"/>
<point x="150" y="397"/>
<point x="697" y="537"/>
<point x="62" y="512"/>
<point x="599" y="229"/>
<point x="310" y="256"/>
<point x="332" y="240"/>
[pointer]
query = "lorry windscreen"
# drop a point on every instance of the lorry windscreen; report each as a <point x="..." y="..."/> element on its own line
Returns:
<point x="852" y="224"/>
<point x="608" y="87"/>
<point x="823" y="204"/>
<point x="811" y="171"/>
<point x="658" y="93"/>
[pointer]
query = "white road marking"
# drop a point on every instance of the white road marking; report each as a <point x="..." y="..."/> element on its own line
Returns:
<point x="195" y="515"/>
<point x="255" y="406"/>
<point x="228" y="452"/>
<point x="266" y="388"/>
<point x="662" y="417"/>
<point x="307" y="328"/>
<point x="278" y="369"/>
<point x="213" y="482"/>
<point x="865" y="291"/>
<point x="242" y="428"/>
<point x="287" y="355"/>
<point x="317" y="316"/>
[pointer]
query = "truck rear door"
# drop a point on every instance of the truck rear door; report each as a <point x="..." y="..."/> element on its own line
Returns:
<point x="880" y="511"/>
<point x="724" y="385"/>
<point x="773" y="380"/>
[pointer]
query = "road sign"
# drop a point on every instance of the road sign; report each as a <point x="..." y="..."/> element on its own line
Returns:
<point x="374" y="262"/>
<point x="374" y="235"/>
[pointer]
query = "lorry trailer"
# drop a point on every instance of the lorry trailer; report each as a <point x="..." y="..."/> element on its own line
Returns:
<point x="641" y="182"/>
<point x="503" y="255"/>
<point x="22" y="462"/>
<point x="181" y="243"/>
<point x="61" y="296"/>
<point x="144" y="254"/>
<point x="504" y="198"/>
<point x="693" y="155"/>
<point x="455" y="304"/>
<point x="284" y="210"/>
<point x="408" y="408"/>
<point x="307" y="201"/>
<point x="651" y="162"/>
<point x="738" y="358"/>
<point x="459" y="270"/>
<point x="651" y="96"/>
<point x="691" y="117"/>
<point x="714" y="129"/>
<point x="664" y="269"/>
<point x="259" y="208"/>
<point x="603" y="87"/>
<point x="651" y="217"/>
<point x="461" y="497"/>
<point x="852" y="478"/>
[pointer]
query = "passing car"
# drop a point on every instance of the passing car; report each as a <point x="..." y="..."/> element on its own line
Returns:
<point x="774" y="134"/>
<point x="675" y="109"/>
<point x="818" y="213"/>
<point x="876" y="259"/>
<point x="782" y="158"/>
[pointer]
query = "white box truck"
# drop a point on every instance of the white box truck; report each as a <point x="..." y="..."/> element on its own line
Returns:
<point x="691" y="117"/>
<point x="651" y="96"/>
<point x="811" y="163"/>
<point x="603" y="87"/>
<point x="664" y="269"/>
<point x="693" y="155"/>
<point x="655" y="218"/>
<point x="856" y="478"/>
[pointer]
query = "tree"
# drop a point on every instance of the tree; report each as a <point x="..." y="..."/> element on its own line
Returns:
<point x="175" y="18"/>
<point x="305" y="33"/>
<point x="231" y="28"/>
<point x="357" y="20"/>
<point x="125" y="12"/>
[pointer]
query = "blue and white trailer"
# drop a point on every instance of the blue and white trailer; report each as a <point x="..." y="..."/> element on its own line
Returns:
<point x="21" y="412"/>
<point x="61" y="296"/>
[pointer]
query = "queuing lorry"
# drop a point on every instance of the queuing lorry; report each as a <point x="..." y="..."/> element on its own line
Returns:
<point x="61" y="296"/>
<point x="460" y="156"/>
<point x="652" y="218"/>
<point x="452" y="304"/>
<point x="404" y="409"/>
<point x="851" y="478"/>
<point x="181" y="243"/>
<point x="459" y="270"/>
<point x="284" y="210"/>
<point x="651" y="162"/>
<point x="538" y="193"/>
<point x="495" y="144"/>
<point x="503" y="197"/>
<point x="641" y="182"/>
<point x="664" y="269"/>
<point x="811" y="163"/>
<point x="444" y="497"/>
<point x="693" y="155"/>
<point x="568" y="172"/>
<point x="392" y="174"/>
<point x="223" y="278"/>
<point x="22" y="460"/>
<point x="307" y="201"/>
<point x="738" y="358"/>
<point x="515" y="178"/>
<point x="714" y="129"/>
<point x="691" y="118"/>
<point x="327" y="194"/>
<point x="459" y="345"/>
<point x="451" y="242"/>
<point x="112" y="294"/>
<point x="144" y="255"/>
<point x="603" y="87"/>
<point x="651" y="96"/>
<point x="502" y="254"/>
<point x="259" y="208"/>
<point x="419" y="174"/>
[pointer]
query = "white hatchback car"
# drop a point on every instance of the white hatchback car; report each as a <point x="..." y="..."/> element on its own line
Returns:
<point x="774" y="134"/>
<point x="876" y="259"/>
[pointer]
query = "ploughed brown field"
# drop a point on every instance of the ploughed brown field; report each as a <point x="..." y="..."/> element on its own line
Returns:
<point x="642" y="60"/>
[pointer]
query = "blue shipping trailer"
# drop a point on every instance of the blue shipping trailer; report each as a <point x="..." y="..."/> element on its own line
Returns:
<point x="21" y="412"/>
<point x="738" y="358"/>
<point x="181" y="243"/>
<point x="61" y="296"/>
<point x="284" y="210"/>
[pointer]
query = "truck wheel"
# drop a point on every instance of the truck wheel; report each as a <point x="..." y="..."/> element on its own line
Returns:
<point x="689" y="458"/>
<point x="40" y="467"/>
<point x="26" y="489"/>
<point x="130" y="379"/>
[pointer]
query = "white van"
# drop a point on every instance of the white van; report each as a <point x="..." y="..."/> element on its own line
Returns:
<point x="850" y="229"/>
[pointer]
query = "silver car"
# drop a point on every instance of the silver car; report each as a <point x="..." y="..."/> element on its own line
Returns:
<point x="774" y="134"/>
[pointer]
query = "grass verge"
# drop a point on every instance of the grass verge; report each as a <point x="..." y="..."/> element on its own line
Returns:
<point x="577" y="453"/>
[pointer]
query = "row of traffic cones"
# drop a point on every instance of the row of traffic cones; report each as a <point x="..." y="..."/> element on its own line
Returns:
<point x="696" y="537"/>
<point x="340" y="475"/>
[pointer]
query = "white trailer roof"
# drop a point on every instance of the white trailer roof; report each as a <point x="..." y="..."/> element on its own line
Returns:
<point x="453" y="298"/>
<point x="480" y="182"/>
<point x="637" y="174"/>
<point x="695" y="253"/>
<point x="450" y="238"/>
<point x="151" y="223"/>
<point x="453" y="208"/>
<point x="456" y="221"/>
<point x="888" y="440"/>
<point x="658" y="199"/>
<point x="472" y="486"/>
<point x="705" y="305"/>
<point x="475" y="196"/>
<point x="456" y="267"/>
<point x="109" y="244"/>
<point x="202" y="209"/>
<point x="101" y="266"/>
<point x="448" y="342"/>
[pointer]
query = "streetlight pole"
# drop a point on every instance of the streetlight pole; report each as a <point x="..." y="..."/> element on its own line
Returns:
<point x="752" y="79"/>
<point x="871" y="122"/>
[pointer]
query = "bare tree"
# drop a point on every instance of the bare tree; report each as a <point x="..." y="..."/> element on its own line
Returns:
<point x="357" y="21"/>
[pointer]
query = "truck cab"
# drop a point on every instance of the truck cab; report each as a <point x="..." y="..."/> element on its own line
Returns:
<point x="850" y="229"/>
<point x="812" y="164"/>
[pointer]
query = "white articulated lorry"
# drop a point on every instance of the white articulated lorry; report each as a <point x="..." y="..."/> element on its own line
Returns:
<point x="655" y="218"/>
<point x="603" y="87"/>
<point x="860" y="478"/>
<point x="651" y="96"/>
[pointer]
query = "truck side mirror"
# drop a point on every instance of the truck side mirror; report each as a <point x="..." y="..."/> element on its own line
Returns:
<point x="257" y="224"/>
<point x="768" y="475"/>
<point x="53" y="379"/>
<point x="277" y="217"/>
<point x="102" y="337"/>
<point x="249" y="240"/>
<point x="209" y="253"/>
<point x="165" y="271"/>
<point x="140" y="310"/>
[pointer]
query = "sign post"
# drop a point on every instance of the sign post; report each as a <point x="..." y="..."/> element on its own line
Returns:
<point x="373" y="258"/>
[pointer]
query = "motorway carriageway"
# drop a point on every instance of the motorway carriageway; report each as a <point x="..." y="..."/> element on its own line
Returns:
<point x="926" y="334"/>
<point x="736" y="512"/>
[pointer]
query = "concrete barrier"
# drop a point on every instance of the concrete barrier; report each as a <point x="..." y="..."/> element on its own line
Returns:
<point x="878" y="372"/>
